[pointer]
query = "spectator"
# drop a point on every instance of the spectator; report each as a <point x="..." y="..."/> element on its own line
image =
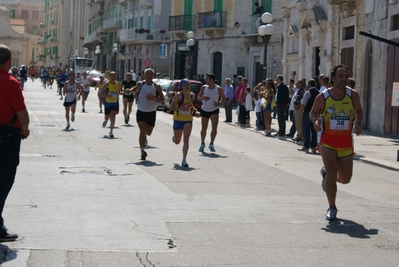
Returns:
<point x="351" y="83"/>
<point x="298" y="113"/>
<point x="228" y="104"/>
<point x="282" y="100"/>
<point x="259" y="102"/>
<point x="268" y="106"/>
<point x="237" y="95"/>
<point x="248" y="106"/>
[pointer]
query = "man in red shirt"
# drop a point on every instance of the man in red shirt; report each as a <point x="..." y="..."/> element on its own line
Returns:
<point x="11" y="104"/>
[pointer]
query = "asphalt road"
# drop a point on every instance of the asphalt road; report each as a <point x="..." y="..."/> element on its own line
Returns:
<point x="82" y="199"/>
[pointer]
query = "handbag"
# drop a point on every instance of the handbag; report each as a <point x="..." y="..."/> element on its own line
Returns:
<point x="6" y="138"/>
<point x="238" y="110"/>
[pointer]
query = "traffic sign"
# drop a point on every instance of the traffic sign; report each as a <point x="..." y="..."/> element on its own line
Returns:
<point x="147" y="62"/>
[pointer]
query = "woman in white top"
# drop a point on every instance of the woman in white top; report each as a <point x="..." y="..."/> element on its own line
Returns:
<point x="86" y="83"/>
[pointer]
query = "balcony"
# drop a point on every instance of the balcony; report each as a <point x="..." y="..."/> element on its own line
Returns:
<point x="145" y="3"/>
<point x="179" y="25"/>
<point x="42" y="25"/>
<point x="91" y="38"/>
<point x="112" y="24"/>
<point x="212" y="20"/>
<point x="127" y="35"/>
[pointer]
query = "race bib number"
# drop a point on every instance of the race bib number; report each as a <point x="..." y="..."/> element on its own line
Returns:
<point x="339" y="122"/>
<point x="185" y="112"/>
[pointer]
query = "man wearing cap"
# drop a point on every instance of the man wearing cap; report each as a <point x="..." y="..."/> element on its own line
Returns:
<point x="147" y="95"/>
<point x="127" y="96"/>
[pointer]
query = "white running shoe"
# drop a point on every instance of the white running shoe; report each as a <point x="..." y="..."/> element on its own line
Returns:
<point x="331" y="213"/>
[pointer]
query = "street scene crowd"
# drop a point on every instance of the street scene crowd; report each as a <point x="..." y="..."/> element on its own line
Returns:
<point x="327" y="105"/>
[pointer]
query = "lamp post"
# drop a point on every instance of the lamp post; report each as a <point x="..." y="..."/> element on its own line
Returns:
<point x="98" y="51"/>
<point x="190" y="44"/>
<point x="266" y="31"/>
<point x="76" y="53"/>
<point x="86" y="52"/>
<point x="114" y="51"/>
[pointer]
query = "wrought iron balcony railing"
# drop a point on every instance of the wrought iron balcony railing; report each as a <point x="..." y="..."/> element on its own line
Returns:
<point x="182" y="23"/>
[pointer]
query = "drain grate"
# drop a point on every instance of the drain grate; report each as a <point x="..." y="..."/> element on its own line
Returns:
<point x="86" y="171"/>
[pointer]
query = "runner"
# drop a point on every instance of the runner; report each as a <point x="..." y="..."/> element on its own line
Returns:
<point x="32" y="72"/>
<point x="45" y="77"/>
<point x="128" y="96"/>
<point x="110" y="91"/>
<point x="86" y="82"/>
<point x="209" y="94"/>
<point x="22" y="73"/>
<point x="182" y="104"/>
<point x="61" y="78"/>
<point x="72" y="91"/>
<point x="147" y="94"/>
<point x="51" y="77"/>
<point x="99" y="86"/>
<point x="333" y="114"/>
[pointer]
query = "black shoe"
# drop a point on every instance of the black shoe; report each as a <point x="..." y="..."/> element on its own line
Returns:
<point x="5" y="236"/>
<point x="143" y="155"/>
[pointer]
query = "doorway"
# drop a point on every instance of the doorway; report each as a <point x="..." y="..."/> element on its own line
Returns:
<point x="367" y="81"/>
<point x="217" y="66"/>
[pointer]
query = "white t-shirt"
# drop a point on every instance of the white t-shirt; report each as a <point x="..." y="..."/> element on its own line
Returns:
<point x="248" y="102"/>
<point x="259" y="104"/>
<point x="208" y="105"/>
<point x="71" y="92"/>
<point x="293" y="99"/>
<point x="143" y="104"/>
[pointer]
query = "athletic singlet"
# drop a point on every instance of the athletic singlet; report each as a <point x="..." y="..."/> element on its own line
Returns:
<point x="100" y="86"/>
<point x="143" y="104"/>
<point x="45" y="74"/>
<point x="180" y="115"/>
<point x="213" y="96"/>
<point x="51" y="73"/>
<point x="113" y="89"/>
<point x="71" y="92"/>
<point x="85" y="84"/>
<point x="337" y="120"/>
<point x="127" y="85"/>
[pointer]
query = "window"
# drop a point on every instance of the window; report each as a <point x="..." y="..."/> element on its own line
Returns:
<point x="12" y="13"/>
<point x="35" y="14"/>
<point x="24" y="14"/>
<point x="349" y="33"/>
<point x="395" y="22"/>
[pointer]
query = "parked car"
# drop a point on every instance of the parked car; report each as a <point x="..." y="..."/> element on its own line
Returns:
<point x="195" y="87"/>
<point x="164" y="83"/>
<point x="95" y="76"/>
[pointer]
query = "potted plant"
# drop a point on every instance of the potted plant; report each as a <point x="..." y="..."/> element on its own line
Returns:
<point x="162" y="31"/>
<point x="150" y="36"/>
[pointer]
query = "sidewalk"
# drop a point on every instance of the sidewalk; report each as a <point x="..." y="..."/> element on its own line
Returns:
<point x="371" y="148"/>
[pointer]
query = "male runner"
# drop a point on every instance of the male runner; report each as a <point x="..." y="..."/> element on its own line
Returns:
<point x="333" y="114"/>
<point x="110" y="91"/>
<point x="72" y="91"/>
<point x="147" y="95"/>
<point x="127" y="96"/>
<point x="209" y="94"/>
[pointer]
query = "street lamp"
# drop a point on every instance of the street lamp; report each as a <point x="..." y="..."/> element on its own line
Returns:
<point x="266" y="31"/>
<point x="76" y="53"/>
<point x="86" y="52"/>
<point x="190" y="44"/>
<point x="114" y="51"/>
<point x="98" y="51"/>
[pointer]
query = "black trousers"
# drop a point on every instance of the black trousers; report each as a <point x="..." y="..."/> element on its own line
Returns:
<point x="228" y="109"/>
<point x="8" y="169"/>
<point x="281" y="118"/>
<point x="243" y="115"/>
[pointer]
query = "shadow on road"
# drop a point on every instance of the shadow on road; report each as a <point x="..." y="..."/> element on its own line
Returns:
<point x="7" y="254"/>
<point x="148" y="163"/>
<point x="213" y="155"/>
<point x="178" y="167"/>
<point x="351" y="228"/>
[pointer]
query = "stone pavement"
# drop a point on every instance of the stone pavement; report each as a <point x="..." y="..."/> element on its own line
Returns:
<point x="379" y="150"/>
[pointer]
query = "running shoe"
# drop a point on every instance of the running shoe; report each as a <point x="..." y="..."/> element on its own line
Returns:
<point x="83" y="110"/>
<point x="101" y="111"/>
<point x="323" y="174"/>
<point x="143" y="155"/>
<point x="126" y="121"/>
<point x="111" y="134"/>
<point x="68" y="125"/>
<point x="73" y="117"/>
<point x="212" y="148"/>
<point x="184" y="163"/>
<point x="201" y="149"/>
<point x="331" y="213"/>
<point x="105" y="123"/>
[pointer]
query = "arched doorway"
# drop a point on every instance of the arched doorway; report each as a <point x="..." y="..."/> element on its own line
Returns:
<point x="366" y="84"/>
<point x="218" y="65"/>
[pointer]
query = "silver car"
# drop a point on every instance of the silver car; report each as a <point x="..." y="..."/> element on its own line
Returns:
<point x="164" y="83"/>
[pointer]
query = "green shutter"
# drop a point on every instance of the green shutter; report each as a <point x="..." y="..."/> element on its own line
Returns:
<point x="217" y="5"/>
<point x="268" y="6"/>
<point x="188" y="7"/>
<point x="188" y="12"/>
